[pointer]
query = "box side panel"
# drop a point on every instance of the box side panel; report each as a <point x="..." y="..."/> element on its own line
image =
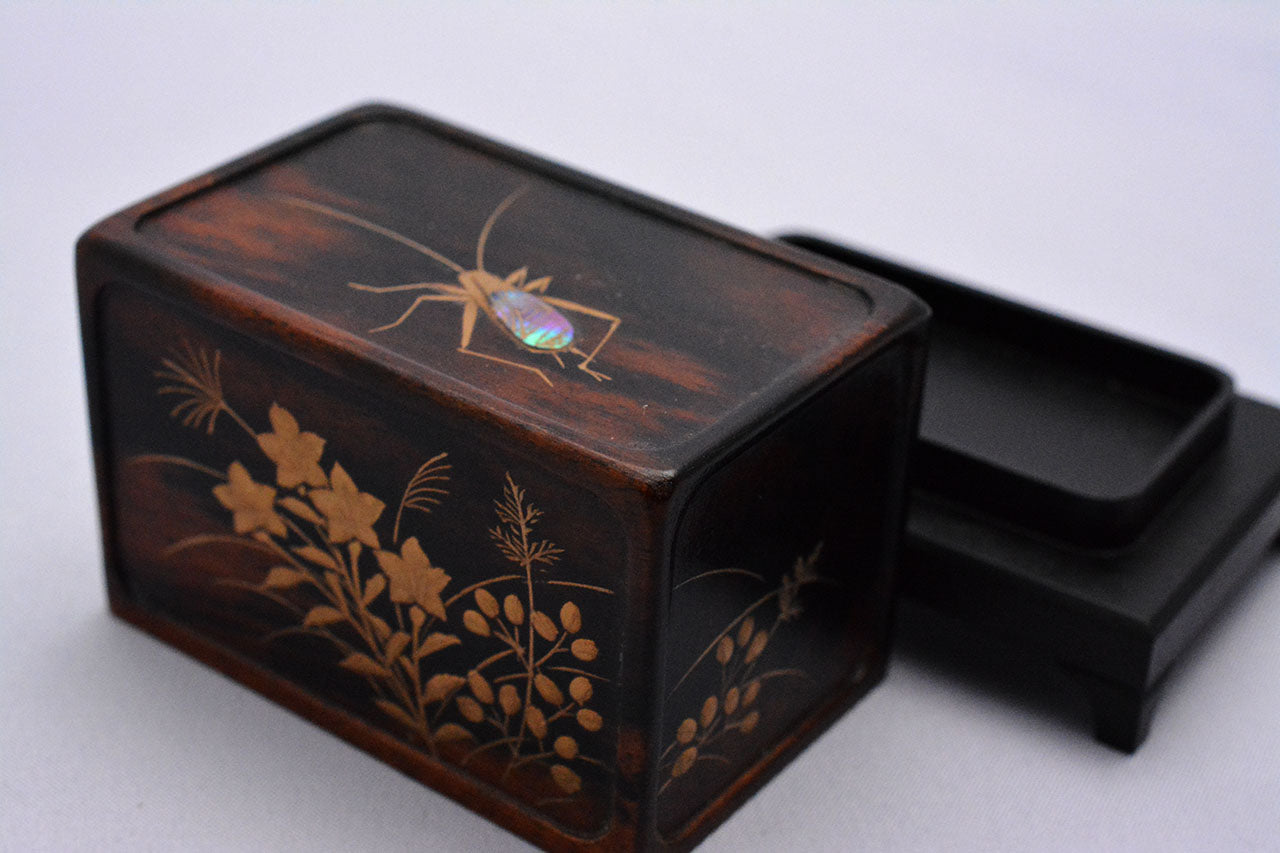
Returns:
<point x="384" y="555"/>
<point x="781" y="586"/>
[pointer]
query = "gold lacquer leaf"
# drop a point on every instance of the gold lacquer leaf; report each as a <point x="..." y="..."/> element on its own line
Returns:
<point x="685" y="761"/>
<point x="514" y="610"/>
<point x="451" y="731"/>
<point x="441" y="686"/>
<point x="396" y="645"/>
<point x="584" y="650"/>
<point x="580" y="689"/>
<point x="322" y="615"/>
<point x="417" y="616"/>
<point x="548" y="690"/>
<point x="487" y="603"/>
<point x="750" y="720"/>
<point x="434" y="642"/>
<point x="544" y="626"/>
<point x="509" y="699"/>
<point x="314" y="555"/>
<point x="376" y="584"/>
<point x="566" y="747"/>
<point x="571" y="617"/>
<point x="745" y="631"/>
<point x="470" y="709"/>
<point x="480" y="687"/>
<point x="364" y="665"/>
<point x="687" y="730"/>
<point x="568" y="781"/>
<point x="709" y="709"/>
<point x="283" y="577"/>
<point x="300" y="508"/>
<point x="536" y="721"/>
<point x="393" y="710"/>
<point x="380" y="627"/>
<point x="752" y="691"/>
<point x="589" y="719"/>
<point x="475" y="623"/>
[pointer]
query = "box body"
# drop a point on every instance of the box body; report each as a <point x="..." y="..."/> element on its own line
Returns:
<point x="579" y="508"/>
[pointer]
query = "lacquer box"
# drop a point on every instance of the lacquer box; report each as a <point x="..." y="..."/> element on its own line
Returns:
<point x="577" y="507"/>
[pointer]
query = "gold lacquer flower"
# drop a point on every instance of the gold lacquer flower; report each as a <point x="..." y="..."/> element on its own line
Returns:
<point x="349" y="513"/>
<point x="413" y="579"/>
<point x="296" y="454"/>
<point x="252" y="504"/>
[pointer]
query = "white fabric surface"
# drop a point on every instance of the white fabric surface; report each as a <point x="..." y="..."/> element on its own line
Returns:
<point x="1119" y="163"/>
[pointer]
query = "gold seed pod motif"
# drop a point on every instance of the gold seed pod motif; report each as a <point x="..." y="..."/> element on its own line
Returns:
<point x="480" y="687"/>
<point x="684" y="762"/>
<point x="544" y="626"/>
<point x="476" y="623"/>
<point x="536" y="721"/>
<point x="451" y="731"/>
<point x="584" y="650"/>
<point x="566" y="747"/>
<point x="548" y="690"/>
<point x="568" y="781"/>
<point x="580" y="689"/>
<point x="747" y="628"/>
<point x="687" y="730"/>
<point x="589" y="719"/>
<point x="486" y="602"/>
<point x="757" y="646"/>
<point x="470" y="709"/>
<point x="514" y="610"/>
<point x="571" y="617"/>
<point x="709" y="709"/>
<point x="724" y="651"/>
<point x="750" y="720"/>
<point x="752" y="691"/>
<point x="731" y="700"/>
<point x="509" y="699"/>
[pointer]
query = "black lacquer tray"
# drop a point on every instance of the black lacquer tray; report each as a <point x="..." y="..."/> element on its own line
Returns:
<point x="1077" y="494"/>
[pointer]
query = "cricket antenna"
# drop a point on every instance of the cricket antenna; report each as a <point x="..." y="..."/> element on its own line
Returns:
<point x="352" y="219"/>
<point x="493" y="217"/>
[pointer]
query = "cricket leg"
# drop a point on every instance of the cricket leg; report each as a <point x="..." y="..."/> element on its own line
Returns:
<point x="437" y="297"/>
<point x="399" y="288"/>
<point x="614" y="323"/>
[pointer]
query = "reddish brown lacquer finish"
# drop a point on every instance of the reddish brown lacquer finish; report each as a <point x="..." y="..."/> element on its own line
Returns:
<point x="579" y="508"/>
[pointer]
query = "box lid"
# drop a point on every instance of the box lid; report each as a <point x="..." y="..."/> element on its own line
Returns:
<point x="625" y="327"/>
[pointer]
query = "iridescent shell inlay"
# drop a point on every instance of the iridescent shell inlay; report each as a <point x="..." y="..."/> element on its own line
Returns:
<point x="533" y="322"/>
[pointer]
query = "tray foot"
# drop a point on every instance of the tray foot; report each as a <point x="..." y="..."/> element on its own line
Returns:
<point x="1121" y="714"/>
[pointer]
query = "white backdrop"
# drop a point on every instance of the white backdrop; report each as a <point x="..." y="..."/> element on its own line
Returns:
<point x="1119" y="163"/>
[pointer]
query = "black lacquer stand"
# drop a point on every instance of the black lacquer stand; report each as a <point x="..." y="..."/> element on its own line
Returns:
<point x="1079" y="495"/>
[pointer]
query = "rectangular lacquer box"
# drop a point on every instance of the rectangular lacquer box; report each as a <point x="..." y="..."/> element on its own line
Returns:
<point x="579" y="508"/>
